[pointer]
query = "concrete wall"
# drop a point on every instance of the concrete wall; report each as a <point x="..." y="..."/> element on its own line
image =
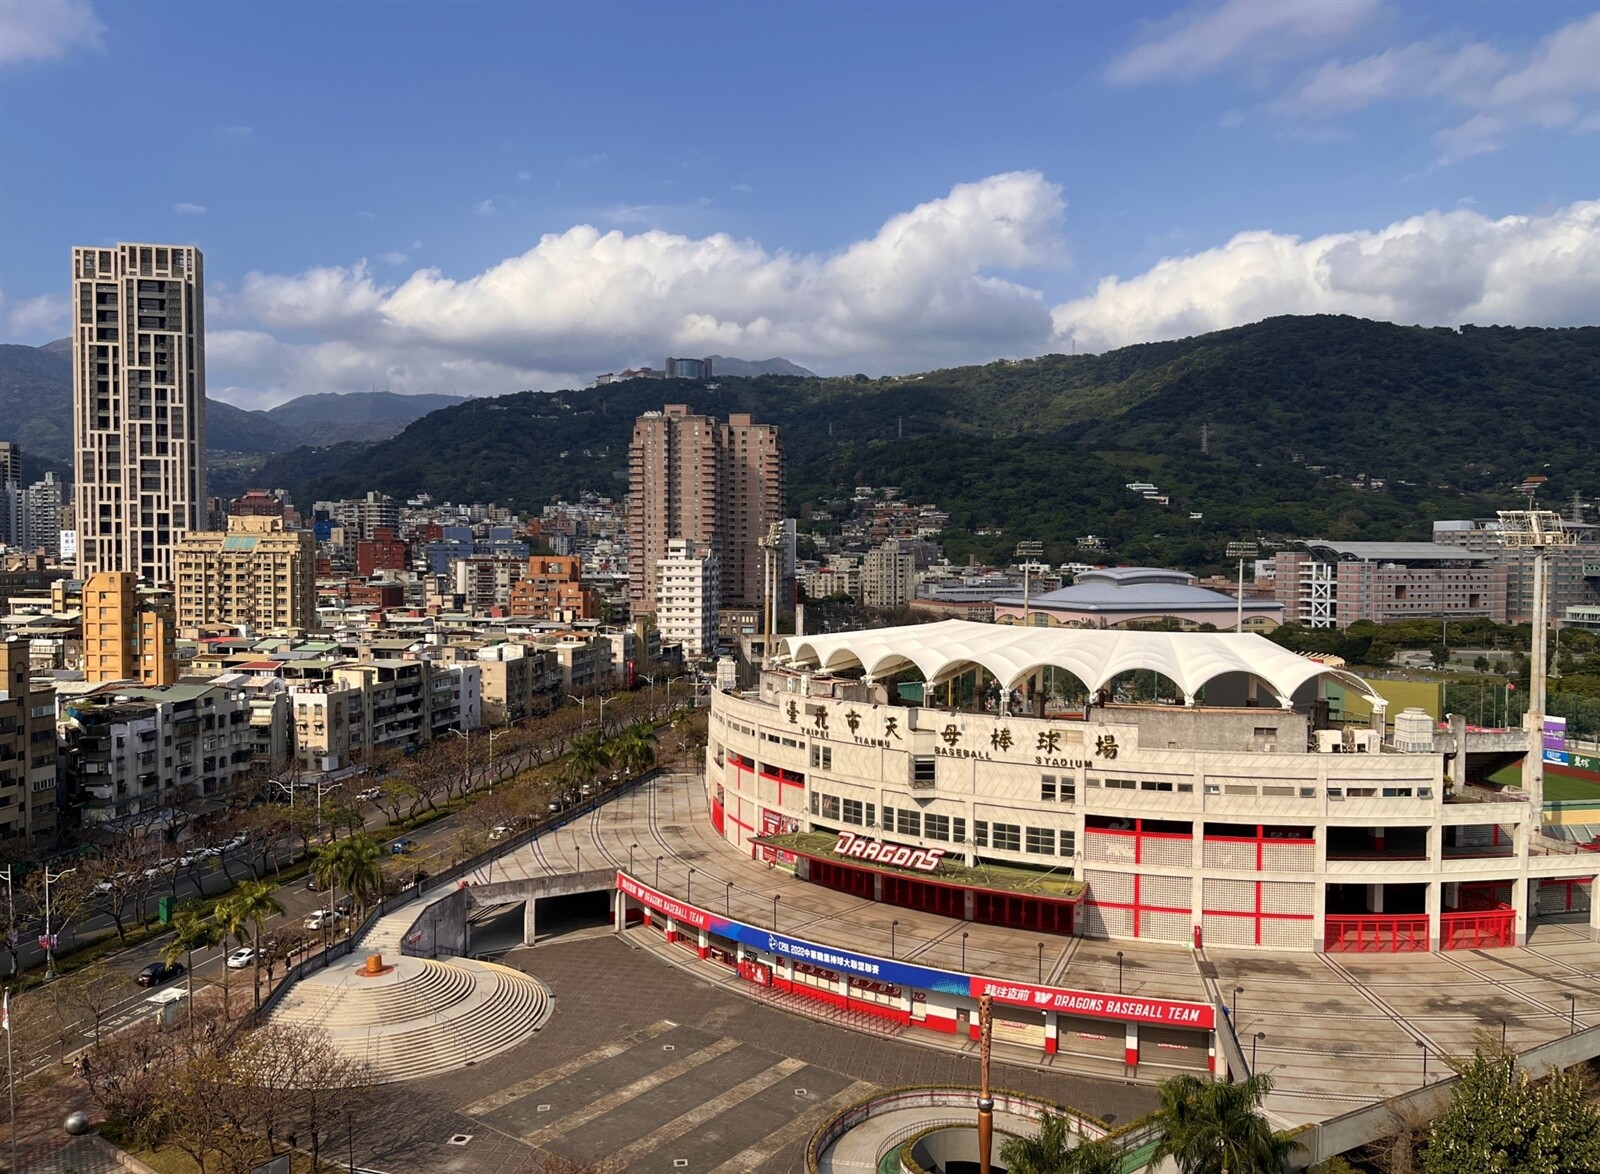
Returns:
<point x="441" y="930"/>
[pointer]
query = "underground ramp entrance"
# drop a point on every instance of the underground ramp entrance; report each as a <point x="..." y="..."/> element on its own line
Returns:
<point x="554" y="917"/>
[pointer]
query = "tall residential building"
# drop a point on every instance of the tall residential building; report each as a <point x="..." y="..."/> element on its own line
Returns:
<point x="257" y="572"/>
<point x="128" y="633"/>
<point x="139" y="399"/>
<point x="688" y="596"/>
<point x="720" y="485"/>
<point x="11" y="524"/>
<point x="41" y="516"/>
<point x="888" y="575"/>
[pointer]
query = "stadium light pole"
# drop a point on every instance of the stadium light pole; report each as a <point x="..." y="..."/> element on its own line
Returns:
<point x="1241" y="551"/>
<point x="1538" y="531"/>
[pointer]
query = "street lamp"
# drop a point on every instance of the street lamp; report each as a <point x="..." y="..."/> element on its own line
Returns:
<point x="49" y="938"/>
<point x="688" y="887"/>
<point x="963" y="950"/>
<point x="775" y="899"/>
<point x="1424" y="1046"/>
<point x="466" y="764"/>
<point x="1241" y="551"/>
<point x="893" y="925"/>
<point x="1041" y="962"/>
<point x="631" y="847"/>
<point x="659" y="859"/>
<point x="1119" y="972"/>
<point x="727" y="899"/>
<point x="1572" y="1011"/>
<point x="1233" y="1012"/>
<point x="11" y="911"/>
<point x="1256" y="1039"/>
<point x="578" y="848"/>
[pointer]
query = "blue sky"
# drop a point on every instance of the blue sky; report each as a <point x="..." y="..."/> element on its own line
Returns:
<point x="480" y="198"/>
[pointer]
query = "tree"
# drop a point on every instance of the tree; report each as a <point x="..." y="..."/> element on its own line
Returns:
<point x="245" y="910"/>
<point x="190" y="932"/>
<point x="633" y="750"/>
<point x="1050" y="1151"/>
<point x="1501" y="1120"/>
<point x="587" y="756"/>
<point x="354" y="864"/>
<point x="1211" y="1126"/>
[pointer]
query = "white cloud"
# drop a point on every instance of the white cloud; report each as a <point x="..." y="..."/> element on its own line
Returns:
<point x="1209" y="38"/>
<point x="927" y="289"/>
<point x="744" y="188"/>
<point x="1440" y="268"/>
<point x="44" y="30"/>
<point x="1551" y="86"/>
<point x="921" y="290"/>
<point x="483" y="208"/>
<point x="524" y="175"/>
<point x="34" y="316"/>
<point x="393" y="257"/>
<point x="184" y="208"/>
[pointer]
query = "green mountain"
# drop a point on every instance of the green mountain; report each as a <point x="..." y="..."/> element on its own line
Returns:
<point x="36" y="411"/>
<point x="1261" y="429"/>
<point x="332" y="417"/>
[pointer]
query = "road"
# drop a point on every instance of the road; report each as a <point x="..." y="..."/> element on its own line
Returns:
<point x="297" y="900"/>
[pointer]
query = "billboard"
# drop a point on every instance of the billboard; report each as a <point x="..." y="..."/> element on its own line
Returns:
<point x="1091" y="1004"/>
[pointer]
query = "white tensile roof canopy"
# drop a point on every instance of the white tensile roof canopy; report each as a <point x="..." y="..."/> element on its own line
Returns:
<point x="1012" y="654"/>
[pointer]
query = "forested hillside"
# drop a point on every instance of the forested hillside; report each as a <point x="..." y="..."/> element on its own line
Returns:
<point x="1294" y="409"/>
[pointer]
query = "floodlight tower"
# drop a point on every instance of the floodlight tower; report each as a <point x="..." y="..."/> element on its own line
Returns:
<point x="772" y="573"/>
<point x="1241" y="551"/>
<point x="1538" y="531"/>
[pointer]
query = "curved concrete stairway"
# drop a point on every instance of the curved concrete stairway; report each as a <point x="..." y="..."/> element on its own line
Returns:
<point x="425" y="1017"/>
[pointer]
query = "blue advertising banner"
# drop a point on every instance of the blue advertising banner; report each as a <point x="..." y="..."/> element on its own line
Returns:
<point x="844" y="961"/>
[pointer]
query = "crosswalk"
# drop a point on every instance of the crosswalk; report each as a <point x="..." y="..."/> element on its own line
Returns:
<point x="672" y="1097"/>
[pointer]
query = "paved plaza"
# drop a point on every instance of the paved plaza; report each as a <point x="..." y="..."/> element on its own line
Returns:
<point x="651" y="1064"/>
<point x="1340" y="1030"/>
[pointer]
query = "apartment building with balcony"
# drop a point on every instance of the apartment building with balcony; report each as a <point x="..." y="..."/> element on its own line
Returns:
<point x="138" y="753"/>
<point x="27" y="748"/>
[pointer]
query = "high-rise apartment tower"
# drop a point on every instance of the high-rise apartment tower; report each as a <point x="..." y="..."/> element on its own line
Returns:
<point x="719" y="485"/>
<point x="138" y="399"/>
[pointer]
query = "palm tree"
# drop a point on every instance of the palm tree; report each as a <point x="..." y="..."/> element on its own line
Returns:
<point x="250" y="905"/>
<point x="189" y="933"/>
<point x="355" y="862"/>
<point x="1209" y="1127"/>
<point x="587" y="756"/>
<point x="634" y="750"/>
<point x="1050" y="1151"/>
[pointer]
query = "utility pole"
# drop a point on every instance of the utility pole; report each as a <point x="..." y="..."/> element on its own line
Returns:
<point x="985" y="1100"/>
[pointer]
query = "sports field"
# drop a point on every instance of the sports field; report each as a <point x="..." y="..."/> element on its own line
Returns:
<point x="1558" y="786"/>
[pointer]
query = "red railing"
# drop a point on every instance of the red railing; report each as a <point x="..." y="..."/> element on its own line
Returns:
<point x="1478" y="929"/>
<point x="1377" y="933"/>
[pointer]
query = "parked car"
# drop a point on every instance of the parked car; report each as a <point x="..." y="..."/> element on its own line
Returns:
<point x="344" y="906"/>
<point x="320" y="919"/>
<point x="402" y="846"/>
<point x="159" y="972"/>
<point x="499" y="832"/>
<point x="241" y="958"/>
<point x="369" y="794"/>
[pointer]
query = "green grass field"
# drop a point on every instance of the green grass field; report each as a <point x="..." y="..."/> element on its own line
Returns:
<point x="1557" y="787"/>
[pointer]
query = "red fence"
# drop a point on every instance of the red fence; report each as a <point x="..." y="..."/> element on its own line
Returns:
<point x="1478" y="929"/>
<point x="1377" y="933"/>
